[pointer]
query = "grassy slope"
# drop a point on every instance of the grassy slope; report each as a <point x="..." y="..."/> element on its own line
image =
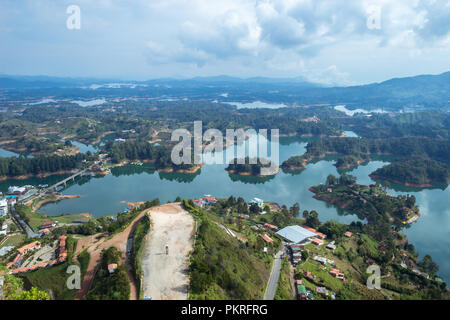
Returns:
<point x="222" y="268"/>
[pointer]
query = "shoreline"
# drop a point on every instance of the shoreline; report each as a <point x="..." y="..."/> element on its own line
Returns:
<point x="406" y="184"/>
<point x="55" y="199"/>
<point x="38" y="175"/>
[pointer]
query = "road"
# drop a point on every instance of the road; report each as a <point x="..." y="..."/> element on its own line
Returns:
<point x="274" y="276"/>
<point x="25" y="226"/>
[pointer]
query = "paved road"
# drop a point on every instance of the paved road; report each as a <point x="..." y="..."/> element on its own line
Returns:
<point x="25" y="226"/>
<point x="274" y="276"/>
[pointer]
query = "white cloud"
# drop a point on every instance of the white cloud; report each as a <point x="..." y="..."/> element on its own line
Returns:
<point x="323" y="40"/>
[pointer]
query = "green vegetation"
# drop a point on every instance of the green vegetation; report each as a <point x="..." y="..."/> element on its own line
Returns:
<point x="142" y="228"/>
<point x="13" y="167"/>
<point x="54" y="279"/>
<point x="371" y="202"/>
<point x="284" y="289"/>
<point x="415" y="172"/>
<point x="347" y="162"/>
<point x="223" y="268"/>
<point x="35" y="219"/>
<point x="250" y="166"/>
<point x="13" y="288"/>
<point x="108" y="286"/>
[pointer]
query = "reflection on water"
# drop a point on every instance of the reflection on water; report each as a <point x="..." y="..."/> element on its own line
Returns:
<point x="101" y="196"/>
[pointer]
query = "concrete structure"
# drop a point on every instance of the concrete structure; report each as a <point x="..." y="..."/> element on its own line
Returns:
<point x="296" y="234"/>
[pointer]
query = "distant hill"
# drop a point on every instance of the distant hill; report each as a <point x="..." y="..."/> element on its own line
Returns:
<point x="417" y="93"/>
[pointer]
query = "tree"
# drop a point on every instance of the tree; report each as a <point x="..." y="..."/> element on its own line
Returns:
<point x="33" y="294"/>
<point x="312" y="219"/>
<point x="331" y="180"/>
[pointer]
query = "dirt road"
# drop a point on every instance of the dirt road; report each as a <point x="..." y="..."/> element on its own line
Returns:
<point x="95" y="247"/>
<point x="166" y="276"/>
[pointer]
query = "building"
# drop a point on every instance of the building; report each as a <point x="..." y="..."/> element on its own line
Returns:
<point x="296" y="234"/>
<point x="208" y="199"/>
<point x="319" y="234"/>
<point x="348" y="234"/>
<point x="271" y="226"/>
<point x="301" y="290"/>
<point x="322" y="290"/>
<point x="112" y="267"/>
<point x="317" y="241"/>
<point x="257" y="201"/>
<point x="337" y="274"/>
<point x="31" y="246"/>
<point x="47" y="225"/>
<point x="13" y="190"/>
<point x="266" y="238"/>
<point x="3" y="207"/>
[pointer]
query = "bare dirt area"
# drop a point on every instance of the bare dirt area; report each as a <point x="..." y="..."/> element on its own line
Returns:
<point x="166" y="275"/>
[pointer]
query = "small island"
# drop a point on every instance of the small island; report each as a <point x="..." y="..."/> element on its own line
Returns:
<point x="418" y="173"/>
<point x="371" y="202"/>
<point x="295" y="163"/>
<point x="251" y="166"/>
<point x="351" y="161"/>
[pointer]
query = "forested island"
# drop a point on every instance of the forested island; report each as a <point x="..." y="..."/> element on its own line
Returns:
<point x="142" y="150"/>
<point x="419" y="172"/>
<point x="371" y="202"/>
<point x="354" y="151"/>
<point x="348" y="162"/>
<point x="250" y="166"/>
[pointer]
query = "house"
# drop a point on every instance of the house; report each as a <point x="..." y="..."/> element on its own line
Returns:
<point x="45" y="232"/>
<point x="301" y="291"/>
<point x="309" y="275"/>
<point x="198" y="202"/>
<point x="31" y="246"/>
<point x="348" y="234"/>
<point x="112" y="267"/>
<point x="337" y="274"/>
<point x="322" y="290"/>
<point x="317" y="241"/>
<point x="47" y="224"/>
<point x="207" y="199"/>
<point x="271" y="227"/>
<point x="257" y="201"/>
<point x="296" y="234"/>
<point x="266" y="238"/>
<point x="331" y="246"/>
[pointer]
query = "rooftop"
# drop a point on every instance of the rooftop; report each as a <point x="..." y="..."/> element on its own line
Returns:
<point x="295" y="234"/>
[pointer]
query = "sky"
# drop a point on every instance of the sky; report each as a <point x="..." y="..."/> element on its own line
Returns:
<point x="341" y="42"/>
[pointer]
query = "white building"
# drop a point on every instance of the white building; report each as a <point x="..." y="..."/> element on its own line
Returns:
<point x="16" y="190"/>
<point x="257" y="201"/>
<point x="3" y="207"/>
